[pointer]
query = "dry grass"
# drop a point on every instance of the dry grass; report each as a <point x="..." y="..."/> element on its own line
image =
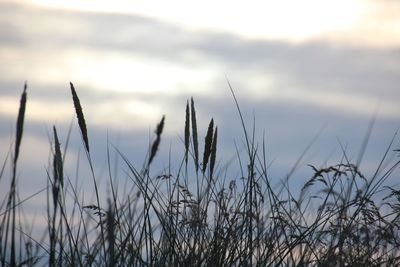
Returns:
<point x="340" y="217"/>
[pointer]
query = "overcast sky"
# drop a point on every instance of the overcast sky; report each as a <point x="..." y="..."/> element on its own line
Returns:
<point x="297" y="67"/>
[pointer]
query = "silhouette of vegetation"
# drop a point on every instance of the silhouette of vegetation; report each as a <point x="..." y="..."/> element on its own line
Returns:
<point x="340" y="217"/>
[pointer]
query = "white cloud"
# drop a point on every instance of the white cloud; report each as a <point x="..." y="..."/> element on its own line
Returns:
<point x="286" y="20"/>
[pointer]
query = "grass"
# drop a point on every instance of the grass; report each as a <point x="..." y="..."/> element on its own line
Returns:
<point x="197" y="216"/>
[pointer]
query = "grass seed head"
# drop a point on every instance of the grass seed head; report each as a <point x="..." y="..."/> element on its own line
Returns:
<point x="213" y="152"/>
<point x="20" y="123"/>
<point x="194" y="134"/>
<point x="187" y="131"/>
<point x="208" y="144"/>
<point x="81" y="118"/>
<point x="156" y="142"/>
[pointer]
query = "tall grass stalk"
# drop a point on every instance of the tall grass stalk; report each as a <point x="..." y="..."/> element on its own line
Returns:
<point x="85" y="138"/>
<point x="10" y="213"/>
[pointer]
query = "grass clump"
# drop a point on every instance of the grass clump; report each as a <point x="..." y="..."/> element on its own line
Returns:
<point x="187" y="217"/>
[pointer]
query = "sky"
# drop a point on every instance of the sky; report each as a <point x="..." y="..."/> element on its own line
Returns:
<point x="298" y="68"/>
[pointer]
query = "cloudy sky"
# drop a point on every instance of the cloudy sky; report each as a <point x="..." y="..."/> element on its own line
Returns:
<point x="297" y="67"/>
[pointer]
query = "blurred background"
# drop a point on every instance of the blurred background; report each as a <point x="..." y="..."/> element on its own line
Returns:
<point x="299" y="69"/>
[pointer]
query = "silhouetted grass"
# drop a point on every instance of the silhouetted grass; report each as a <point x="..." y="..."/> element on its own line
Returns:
<point x="339" y="217"/>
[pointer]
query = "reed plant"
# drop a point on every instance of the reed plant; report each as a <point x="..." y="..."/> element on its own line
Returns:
<point x="196" y="214"/>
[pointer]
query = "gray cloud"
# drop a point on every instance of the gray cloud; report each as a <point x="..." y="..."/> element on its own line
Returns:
<point x="289" y="126"/>
<point x="315" y="66"/>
